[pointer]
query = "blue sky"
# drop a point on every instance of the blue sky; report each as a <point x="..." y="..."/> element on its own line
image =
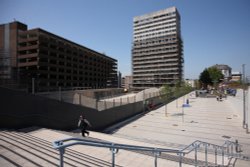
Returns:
<point x="213" y="31"/>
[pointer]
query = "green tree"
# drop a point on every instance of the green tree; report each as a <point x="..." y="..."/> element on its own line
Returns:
<point x="179" y="89"/>
<point x="215" y="75"/>
<point x="205" y="78"/>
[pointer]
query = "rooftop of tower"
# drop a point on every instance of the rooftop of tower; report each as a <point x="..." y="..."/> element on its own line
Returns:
<point x="153" y="14"/>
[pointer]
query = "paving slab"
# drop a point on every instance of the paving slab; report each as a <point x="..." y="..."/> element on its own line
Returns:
<point x="123" y="158"/>
<point x="170" y="126"/>
<point x="174" y="126"/>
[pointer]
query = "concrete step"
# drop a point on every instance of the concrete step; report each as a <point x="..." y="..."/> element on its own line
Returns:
<point x="35" y="149"/>
<point x="188" y="159"/>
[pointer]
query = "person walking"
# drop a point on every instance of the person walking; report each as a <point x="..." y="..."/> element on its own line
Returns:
<point x="83" y="123"/>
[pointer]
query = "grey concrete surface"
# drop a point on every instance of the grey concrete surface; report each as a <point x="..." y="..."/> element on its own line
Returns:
<point x="206" y="119"/>
<point x="170" y="126"/>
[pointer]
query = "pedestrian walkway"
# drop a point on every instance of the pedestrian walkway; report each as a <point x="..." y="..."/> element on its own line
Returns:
<point x="170" y="126"/>
<point x="174" y="126"/>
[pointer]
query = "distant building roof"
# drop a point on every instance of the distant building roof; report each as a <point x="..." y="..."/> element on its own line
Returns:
<point x="236" y="73"/>
<point x="222" y="67"/>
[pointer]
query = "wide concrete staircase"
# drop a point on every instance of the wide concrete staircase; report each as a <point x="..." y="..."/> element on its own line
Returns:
<point x="33" y="147"/>
<point x="25" y="149"/>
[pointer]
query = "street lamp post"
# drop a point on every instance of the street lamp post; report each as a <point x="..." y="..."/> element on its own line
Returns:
<point x="244" y="96"/>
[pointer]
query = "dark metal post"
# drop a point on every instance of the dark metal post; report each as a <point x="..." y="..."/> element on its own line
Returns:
<point x="236" y="146"/>
<point x="79" y="98"/>
<point x="206" y="155"/>
<point x="215" y="156"/>
<point x="143" y="101"/>
<point x="177" y="103"/>
<point x="60" y="93"/>
<point x="180" y="159"/>
<point x="61" y="150"/>
<point x="33" y="85"/>
<point x="228" y="150"/>
<point x="244" y="94"/>
<point x="156" y="154"/>
<point x="232" y="150"/>
<point x="222" y="156"/>
<point x="166" y="111"/>
<point x="96" y="104"/>
<point x="195" y="156"/>
<point x="113" y="151"/>
<point x="113" y="157"/>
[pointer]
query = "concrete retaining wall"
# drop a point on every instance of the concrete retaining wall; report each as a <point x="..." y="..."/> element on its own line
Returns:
<point x="19" y="109"/>
<point x="95" y="98"/>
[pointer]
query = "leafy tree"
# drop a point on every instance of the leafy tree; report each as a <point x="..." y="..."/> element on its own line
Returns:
<point x="176" y="91"/>
<point x="205" y="78"/>
<point x="215" y="75"/>
<point x="167" y="91"/>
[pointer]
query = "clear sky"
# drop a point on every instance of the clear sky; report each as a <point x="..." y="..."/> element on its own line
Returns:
<point x="213" y="31"/>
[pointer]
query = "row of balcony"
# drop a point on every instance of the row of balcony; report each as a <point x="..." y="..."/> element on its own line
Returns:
<point x="155" y="35"/>
<point x="158" y="43"/>
<point x="162" y="23"/>
<point x="154" y="70"/>
<point x="159" y="59"/>
<point x="162" y="46"/>
<point x="147" y="21"/>
<point x="150" y="74"/>
<point x="154" y="60"/>
<point x="52" y="57"/>
<point x="48" y="42"/>
<point x="65" y="76"/>
<point x="142" y="56"/>
<point x="160" y="28"/>
<point x="155" y="67"/>
<point x="75" y="56"/>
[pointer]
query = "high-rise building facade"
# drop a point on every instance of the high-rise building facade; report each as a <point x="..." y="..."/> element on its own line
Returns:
<point x="9" y="49"/>
<point x="157" y="54"/>
<point x="51" y="60"/>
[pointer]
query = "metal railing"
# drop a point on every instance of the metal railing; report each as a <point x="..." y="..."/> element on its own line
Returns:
<point x="228" y="149"/>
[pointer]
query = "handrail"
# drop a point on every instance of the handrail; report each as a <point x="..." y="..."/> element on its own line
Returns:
<point x="58" y="144"/>
<point x="198" y="143"/>
<point x="227" y="149"/>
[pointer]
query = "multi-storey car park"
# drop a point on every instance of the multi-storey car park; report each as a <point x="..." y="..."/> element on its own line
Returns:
<point x="157" y="54"/>
<point x="56" y="62"/>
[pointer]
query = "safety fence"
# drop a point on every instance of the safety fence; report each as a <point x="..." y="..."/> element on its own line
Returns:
<point x="77" y="97"/>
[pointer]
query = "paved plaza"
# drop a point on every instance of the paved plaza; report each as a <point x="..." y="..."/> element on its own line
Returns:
<point x="206" y="119"/>
<point x="170" y="126"/>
